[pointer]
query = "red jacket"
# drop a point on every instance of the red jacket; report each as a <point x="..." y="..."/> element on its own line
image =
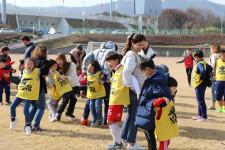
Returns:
<point x="188" y="62"/>
<point x="82" y="80"/>
<point x="8" y="70"/>
<point x="157" y="103"/>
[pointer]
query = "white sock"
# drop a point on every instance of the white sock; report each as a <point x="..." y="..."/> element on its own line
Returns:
<point x="115" y="131"/>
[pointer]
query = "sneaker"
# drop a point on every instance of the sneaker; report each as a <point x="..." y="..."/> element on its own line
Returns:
<point x="196" y="117"/>
<point x="223" y="111"/>
<point x="94" y="123"/>
<point x="106" y="126"/>
<point x="53" y="119"/>
<point x="124" y="144"/>
<point x="37" y="129"/>
<point x="7" y="103"/>
<point x="136" y="146"/>
<point x="28" y="129"/>
<point x="189" y="85"/>
<point x="100" y="124"/>
<point x="211" y="108"/>
<point x="84" y="122"/>
<point x="50" y="117"/>
<point x="115" y="146"/>
<point x="71" y="116"/>
<point x="202" y="119"/>
<point x="58" y="116"/>
<point x="219" y="110"/>
<point x="1" y="104"/>
<point x="13" y="123"/>
<point x="82" y="95"/>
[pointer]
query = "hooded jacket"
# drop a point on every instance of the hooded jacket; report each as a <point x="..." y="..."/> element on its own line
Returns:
<point x="153" y="88"/>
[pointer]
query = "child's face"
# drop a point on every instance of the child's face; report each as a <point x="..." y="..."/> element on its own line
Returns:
<point x="173" y="90"/>
<point x="53" y="68"/>
<point x="91" y="68"/>
<point x="29" y="65"/>
<point x="222" y="56"/>
<point x="197" y="58"/>
<point x="6" y="52"/>
<point x="147" y="71"/>
<point x="78" y="71"/>
<point x="112" y="63"/>
<point x="21" y="66"/>
<point x="146" y="45"/>
<point x="2" y="64"/>
<point x="188" y="52"/>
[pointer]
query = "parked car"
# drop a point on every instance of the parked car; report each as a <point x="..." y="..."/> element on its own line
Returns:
<point x="117" y="32"/>
<point x="40" y="32"/>
<point x="6" y="30"/>
<point x="96" y="31"/>
<point x="130" y="32"/>
<point x="27" y="30"/>
<point x="77" y="32"/>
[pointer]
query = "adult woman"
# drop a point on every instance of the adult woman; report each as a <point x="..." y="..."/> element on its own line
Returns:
<point x="131" y="62"/>
<point x="38" y="107"/>
<point x="68" y="71"/>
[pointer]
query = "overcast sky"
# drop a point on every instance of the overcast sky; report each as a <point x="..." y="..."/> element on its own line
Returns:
<point x="70" y="3"/>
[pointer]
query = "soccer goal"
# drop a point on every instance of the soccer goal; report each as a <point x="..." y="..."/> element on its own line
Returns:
<point x="96" y="45"/>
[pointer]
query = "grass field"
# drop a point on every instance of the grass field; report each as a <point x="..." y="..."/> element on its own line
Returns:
<point x="71" y="135"/>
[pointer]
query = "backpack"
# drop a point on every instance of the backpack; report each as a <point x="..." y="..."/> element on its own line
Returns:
<point x="208" y="76"/>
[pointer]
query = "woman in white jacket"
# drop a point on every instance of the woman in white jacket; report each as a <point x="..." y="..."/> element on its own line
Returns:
<point x="68" y="71"/>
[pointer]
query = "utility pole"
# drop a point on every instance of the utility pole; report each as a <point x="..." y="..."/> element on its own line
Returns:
<point x="111" y="10"/>
<point x="3" y="11"/>
<point x="222" y="23"/>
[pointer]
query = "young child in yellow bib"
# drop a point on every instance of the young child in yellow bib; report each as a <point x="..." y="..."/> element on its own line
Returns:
<point x="59" y="88"/>
<point x="28" y="89"/>
<point x="166" y="118"/>
<point x="220" y="82"/>
<point x="95" y="91"/>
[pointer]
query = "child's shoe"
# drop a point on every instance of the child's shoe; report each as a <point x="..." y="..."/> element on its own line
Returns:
<point x="94" y="123"/>
<point x="82" y="94"/>
<point x="196" y="117"/>
<point x="223" y="111"/>
<point x="211" y="108"/>
<point x="58" y="116"/>
<point x="115" y="146"/>
<point x="84" y="122"/>
<point x="136" y="146"/>
<point x="106" y="126"/>
<point x="36" y="129"/>
<point x="202" y="119"/>
<point x="28" y="129"/>
<point x="53" y="119"/>
<point x="13" y="123"/>
<point x="71" y="116"/>
<point x="1" y="104"/>
<point x="219" y="110"/>
<point x="100" y="123"/>
<point x="7" y="103"/>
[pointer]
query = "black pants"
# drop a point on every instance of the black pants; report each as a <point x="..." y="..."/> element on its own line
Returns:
<point x="189" y="71"/>
<point x="69" y="97"/>
<point x="150" y="136"/>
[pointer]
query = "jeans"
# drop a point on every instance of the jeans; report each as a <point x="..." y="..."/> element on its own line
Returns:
<point x="129" y="130"/>
<point x="200" y="95"/>
<point x="96" y="109"/>
<point x="212" y="92"/>
<point x="15" y="103"/>
<point x="86" y="110"/>
<point x="37" y="109"/>
<point x="69" y="96"/>
<point x="5" y="86"/>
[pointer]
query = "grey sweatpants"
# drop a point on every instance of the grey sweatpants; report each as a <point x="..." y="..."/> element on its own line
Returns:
<point x="212" y="92"/>
<point x="52" y="106"/>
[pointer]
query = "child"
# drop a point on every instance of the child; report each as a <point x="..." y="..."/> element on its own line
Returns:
<point x="119" y="96"/>
<point x="215" y="54"/>
<point x="188" y="63"/>
<point x="95" y="91"/>
<point x="166" y="119"/>
<point x="220" y="82"/>
<point x="16" y="79"/>
<point x="4" y="79"/>
<point x="153" y="88"/>
<point x="59" y="88"/>
<point x="5" y="54"/>
<point x="82" y="80"/>
<point x="199" y="85"/>
<point x="28" y="90"/>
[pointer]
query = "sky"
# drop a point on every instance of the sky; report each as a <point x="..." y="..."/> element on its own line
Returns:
<point x="69" y="3"/>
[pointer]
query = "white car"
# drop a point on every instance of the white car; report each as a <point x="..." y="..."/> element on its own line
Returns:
<point x="117" y="32"/>
<point x="6" y="30"/>
<point x="96" y="31"/>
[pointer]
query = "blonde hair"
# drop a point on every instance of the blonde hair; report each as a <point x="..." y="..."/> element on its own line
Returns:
<point x="40" y="52"/>
<point x="215" y="48"/>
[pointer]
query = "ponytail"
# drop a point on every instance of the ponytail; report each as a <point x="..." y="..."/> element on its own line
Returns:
<point x="135" y="38"/>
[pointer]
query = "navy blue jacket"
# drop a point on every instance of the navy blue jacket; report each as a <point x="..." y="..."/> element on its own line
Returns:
<point x="153" y="88"/>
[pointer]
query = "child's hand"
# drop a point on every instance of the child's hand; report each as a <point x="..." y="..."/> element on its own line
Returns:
<point x="173" y="101"/>
<point x="213" y="78"/>
<point x="102" y="82"/>
<point x="13" y="71"/>
<point x="138" y="96"/>
<point x="167" y="100"/>
<point x="61" y="77"/>
<point x="85" y="77"/>
<point x="6" y="75"/>
<point x="102" y="76"/>
<point x="156" y="109"/>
